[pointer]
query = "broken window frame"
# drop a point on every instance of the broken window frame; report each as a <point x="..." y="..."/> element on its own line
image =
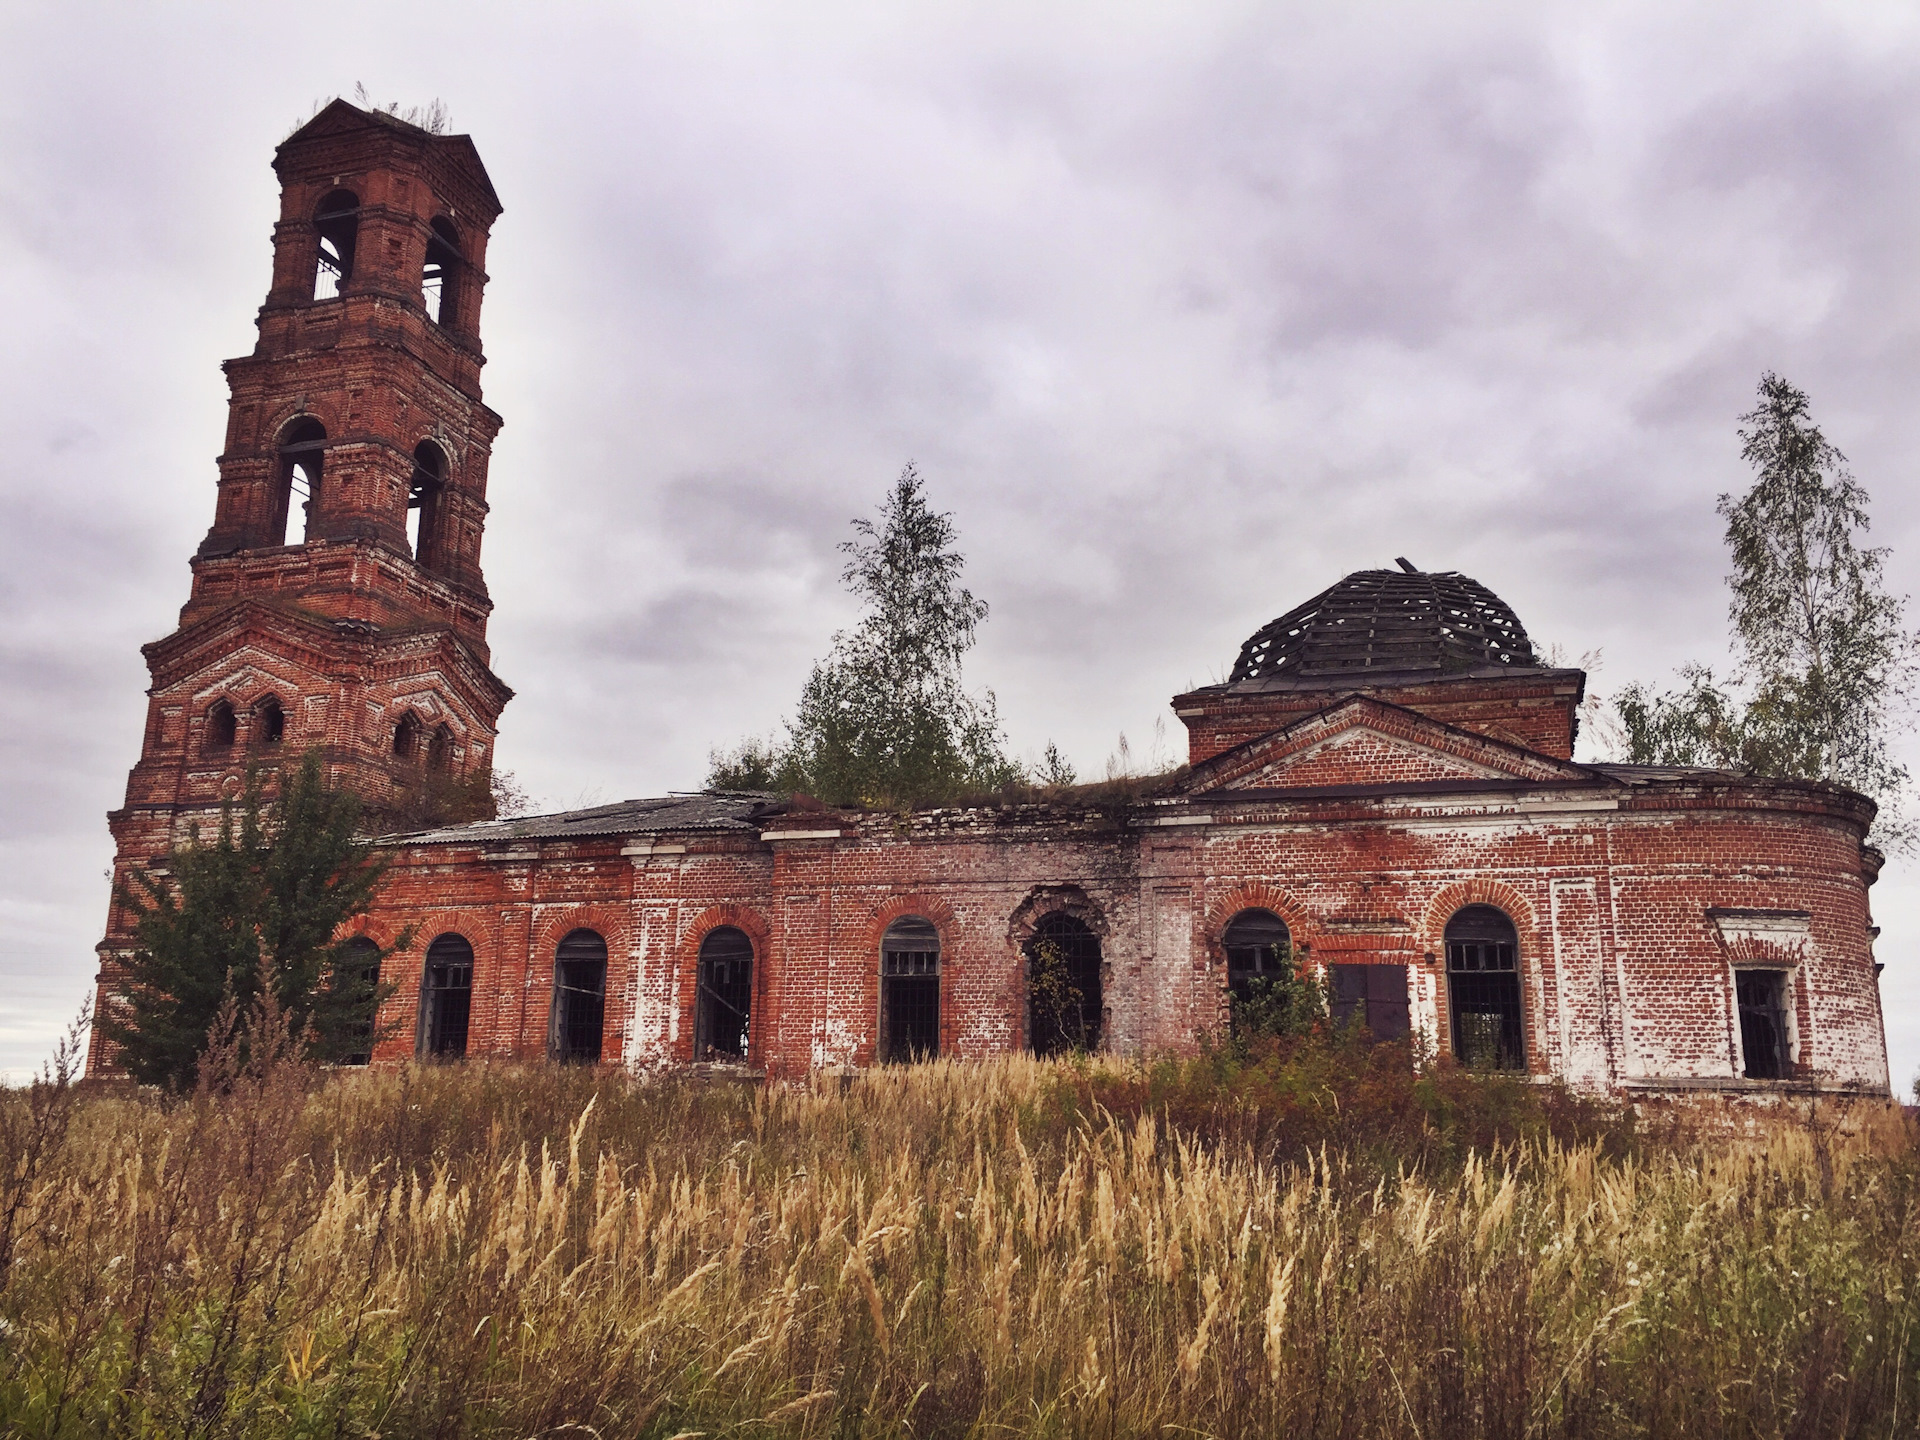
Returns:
<point x="440" y="749"/>
<point x="1056" y="1024"/>
<point x="723" y="999"/>
<point x="1763" y="1001"/>
<point x="440" y="273"/>
<point x="909" y="991"/>
<point x="576" y="1031"/>
<point x="336" y="223"/>
<point x="446" y="998"/>
<point x="1483" y="981"/>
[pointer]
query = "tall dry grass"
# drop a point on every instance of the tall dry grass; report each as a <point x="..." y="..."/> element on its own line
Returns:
<point x="945" y="1250"/>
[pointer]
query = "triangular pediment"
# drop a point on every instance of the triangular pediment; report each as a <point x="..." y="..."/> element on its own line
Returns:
<point x="336" y="117"/>
<point x="1366" y="742"/>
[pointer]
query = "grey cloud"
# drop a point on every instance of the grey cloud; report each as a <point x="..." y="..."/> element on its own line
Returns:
<point x="1182" y="315"/>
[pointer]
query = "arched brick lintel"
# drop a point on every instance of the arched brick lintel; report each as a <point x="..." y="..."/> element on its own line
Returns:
<point x="1045" y="900"/>
<point x="917" y="902"/>
<point x="1482" y="891"/>
<point x="609" y="922"/>
<point x="1256" y="895"/>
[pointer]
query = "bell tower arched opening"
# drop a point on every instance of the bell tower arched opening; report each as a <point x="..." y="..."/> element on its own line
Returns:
<point x="301" y="462"/>
<point x="424" y="504"/>
<point x="337" y="225"/>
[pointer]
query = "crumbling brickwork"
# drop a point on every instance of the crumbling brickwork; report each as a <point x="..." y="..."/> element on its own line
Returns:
<point x="1386" y="781"/>
<point x="319" y="617"/>
<point x="1613" y="887"/>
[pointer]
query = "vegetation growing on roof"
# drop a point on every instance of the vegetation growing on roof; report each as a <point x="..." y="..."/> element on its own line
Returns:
<point x="886" y="719"/>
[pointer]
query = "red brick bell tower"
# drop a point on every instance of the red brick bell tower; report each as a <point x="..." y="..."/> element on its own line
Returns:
<point x="337" y="600"/>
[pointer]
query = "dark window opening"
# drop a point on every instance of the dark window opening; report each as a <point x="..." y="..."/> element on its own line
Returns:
<point x="1762" y="997"/>
<point x="1063" y="986"/>
<point x="579" y="998"/>
<point x="1372" y="996"/>
<point x="446" y="998"/>
<point x="222" y="725"/>
<point x="1483" y="989"/>
<point x="1259" y="952"/>
<point x="424" y="504"/>
<point x="723" y="1010"/>
<point x="269" y="722"/>
<point x="909" y="991"/>
<point x="439" y="279"/>
<point x="302" y="457"/>
<point x="338" y="221"/>
<point x="440" y="749"/>
<point x="406" y="737"/>
<point x="359" y="977"/>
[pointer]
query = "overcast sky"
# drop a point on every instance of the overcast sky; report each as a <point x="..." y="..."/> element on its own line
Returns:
<point x="1183" y="310"/>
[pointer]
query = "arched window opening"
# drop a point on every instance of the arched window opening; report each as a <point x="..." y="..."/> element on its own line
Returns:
<point x="1483" y="989"/>
<point x="357" y="975"/>
<point x="338" y="221"/>
<point x="424" y="503"/>
<point x="723" y="1009"/>
<point x="222" y="725"/>
<point x="446" y="997"/>
<point x="303" y="449"/>
<point x="269" y="721"/>
<point x="909" y="990"/>
<point x="406" y="737"/>
<point x="440" y="749"/>
<point x="1762" y="998"/>
<point x="1259" y="961"/>
<point x="579" y="998"/>
<point x="439" y="278"/>
<point x="1063" y="986"/>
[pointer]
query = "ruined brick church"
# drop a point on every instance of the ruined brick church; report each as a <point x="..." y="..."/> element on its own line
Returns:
<point x="1383" y="790"/>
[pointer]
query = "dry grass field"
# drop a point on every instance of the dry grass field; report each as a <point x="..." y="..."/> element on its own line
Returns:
<point x="1309" y="1242"/>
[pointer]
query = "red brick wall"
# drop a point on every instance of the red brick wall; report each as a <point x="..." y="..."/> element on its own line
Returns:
<point x="347" y="630"/>
<point x="1535" y="709"/>
<point x="1624" y="977"/>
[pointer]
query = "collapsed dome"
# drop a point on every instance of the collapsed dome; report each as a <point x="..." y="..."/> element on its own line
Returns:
<point x="1390" y="621"/>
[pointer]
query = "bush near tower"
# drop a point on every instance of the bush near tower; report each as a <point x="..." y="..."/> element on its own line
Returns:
<point x="261" y="903"/>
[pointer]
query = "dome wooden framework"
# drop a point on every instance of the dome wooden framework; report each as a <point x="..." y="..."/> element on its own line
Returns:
<point x="1389" y="621"/>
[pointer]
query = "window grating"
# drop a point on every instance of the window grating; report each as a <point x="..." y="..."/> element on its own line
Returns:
<point x="1483" y="989"/>
<point x="447" y="992"/>
<point x="1063" y="986"/>
<point x="579" y="998"/>
<point x="723" y="1008"/>
<point x="910" y="990"/>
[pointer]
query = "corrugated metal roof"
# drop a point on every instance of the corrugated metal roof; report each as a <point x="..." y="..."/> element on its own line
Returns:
<point x="732" y="810"/>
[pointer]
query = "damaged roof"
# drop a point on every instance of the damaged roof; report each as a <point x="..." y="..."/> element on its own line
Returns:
<point x="740" y="810"/>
